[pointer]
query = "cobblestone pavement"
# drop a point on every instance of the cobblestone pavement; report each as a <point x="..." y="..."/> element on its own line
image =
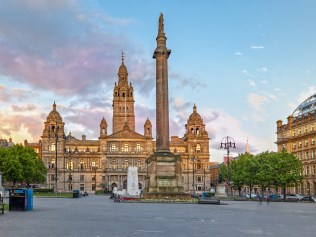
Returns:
<point x="100" y="216"/>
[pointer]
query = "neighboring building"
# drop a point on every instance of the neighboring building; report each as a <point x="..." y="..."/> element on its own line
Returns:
<point x="5" y="143"/>
<point x="36" y="146"/>
<point x="298" y="136"/>
<point x="101" y="164"/>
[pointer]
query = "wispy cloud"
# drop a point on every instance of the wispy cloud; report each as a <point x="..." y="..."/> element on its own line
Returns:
<point x="263" y="69"/>
<point x="251" y="83"/>
<point x="238" y="54"/>
<point x="253" y="46"/>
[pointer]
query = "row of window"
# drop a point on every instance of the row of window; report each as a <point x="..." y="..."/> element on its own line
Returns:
<point x="305" y="143"/>
<point x="306" y="129"/>
<point x="310" y="170"/>
<point x="124" y="165"/>
<point x="125" y="148"/>
<point x="306" y="155"/>
<point x="81" y="178"/>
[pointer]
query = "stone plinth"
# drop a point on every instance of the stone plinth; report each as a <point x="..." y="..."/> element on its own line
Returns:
<point x="220" y="190"/>
<point x="165" y="178"/>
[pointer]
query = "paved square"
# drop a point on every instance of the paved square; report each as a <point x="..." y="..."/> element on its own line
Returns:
<point x="100" y="216"/>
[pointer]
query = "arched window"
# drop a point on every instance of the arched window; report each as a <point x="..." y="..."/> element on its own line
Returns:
<point x="192" y="130"/>
<point x="123" y="94"/>
<point x="197" y="131"/>
<point x="198" y="147"/>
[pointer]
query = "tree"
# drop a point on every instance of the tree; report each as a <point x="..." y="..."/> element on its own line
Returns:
<point x="266" y="170"/>
<point x="20" y="163"/>
<point x="250" y="169"/>
<point x="288" y="170"/>
<point x="237" y="173"/>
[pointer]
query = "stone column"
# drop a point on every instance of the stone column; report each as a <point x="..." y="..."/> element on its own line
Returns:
<point x="161" y="55"/>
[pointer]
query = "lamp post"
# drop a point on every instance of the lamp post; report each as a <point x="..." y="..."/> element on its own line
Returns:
<point x="55" y="133"/>
<point x="95" y="176"/>
<point x="226" y="143"/>
<point x="193" y="159"/>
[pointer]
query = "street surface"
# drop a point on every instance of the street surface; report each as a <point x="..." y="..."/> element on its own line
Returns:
<point x="100" y="216"/>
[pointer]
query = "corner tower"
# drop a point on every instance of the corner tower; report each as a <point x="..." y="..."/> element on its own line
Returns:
<point x="123" y="101"/>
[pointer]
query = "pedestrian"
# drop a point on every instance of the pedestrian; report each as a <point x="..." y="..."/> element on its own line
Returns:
<point x="268" y="198"/>
<point x="260" y="199"/>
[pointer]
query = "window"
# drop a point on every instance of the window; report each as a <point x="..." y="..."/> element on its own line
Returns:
<point x="314" y="169"/>
<point x="313" y="141"/>
<point x="125" y="148"/>
<point x="69" y="165"/>
<point x="52" y="177"/>
<point x="306" y="155"/>
<point x="307" y="170"/>
<point x="300" y="144"/>
<point x="199" y="179"/>
<point x="198" y="147"/>
<point x="300" y="132"/>
<point x="53" y="147"/>
<point x="113" y="147"/>
<point x="139" y="164"/>
<point x="81" y="165"/>
<point x="113" y="164"/>
<point x="306" y="130"/>
<point x="313" y="154"/>
<point x="93" y="187"/>
<point x="138" y="148"/>
<point x="306" y="142"/>
<point x="294" y="145"/>
<point x="294" y="133"/>
<point x="125" y="165"/>
<point x="53" y="163"/>
<point x="103" y="178"/>
<point x="81" y="187"/>
<point x="93" y="177"/>
<point x="69" y="177"/>
<point x="81" y="178"/>
<point x="312" y="127"/>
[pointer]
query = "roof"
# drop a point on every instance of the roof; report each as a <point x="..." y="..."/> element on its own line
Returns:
<point x="307" y="106"/>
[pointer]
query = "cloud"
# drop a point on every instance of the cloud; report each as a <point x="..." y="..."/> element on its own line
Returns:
<point x="263" y="69"/>
<point x="23" y="108"/>
<point x="63" y="49"/>
<point x="253" y="46"/>
<point x="238" y="54"/>
<point x="251" y="83"/>
<point x="192" y="82"/>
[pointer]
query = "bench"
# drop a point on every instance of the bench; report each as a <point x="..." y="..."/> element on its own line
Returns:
<point x="1" y="205"/>
<point x="209" y="201"/>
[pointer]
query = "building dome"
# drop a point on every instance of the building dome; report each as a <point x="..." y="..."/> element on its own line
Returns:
<point x="195" y="116"/>
<point x="54" y="115"/>
<point x="307" y="106"/>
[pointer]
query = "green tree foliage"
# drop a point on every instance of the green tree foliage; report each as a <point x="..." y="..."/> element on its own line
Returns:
<point x="266" y="169"/>
<point x="288" y="170"/>
<point x="20" y="163"/>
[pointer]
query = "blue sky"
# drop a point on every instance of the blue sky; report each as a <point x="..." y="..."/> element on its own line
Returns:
<point x="245" y="64"/>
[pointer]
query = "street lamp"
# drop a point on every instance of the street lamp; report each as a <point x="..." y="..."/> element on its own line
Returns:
<point x="95" y="176"/>
<point x="193" y="159"/>
<point x="226" y="143"/>
<point x="55" y="133"/>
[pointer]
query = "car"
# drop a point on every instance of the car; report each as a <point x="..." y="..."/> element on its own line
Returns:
<point x="308" y="198"/>
<point x="253" y="195"/>
<point x="296" y="197"/>
<point x="85" y="193"/>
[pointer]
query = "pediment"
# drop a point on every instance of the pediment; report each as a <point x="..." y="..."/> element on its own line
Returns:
<point x="126" y="134"/>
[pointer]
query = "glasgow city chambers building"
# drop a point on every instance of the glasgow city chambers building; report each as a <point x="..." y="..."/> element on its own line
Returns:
<point x="90" y="165"/>
<point x="298" y="136"/>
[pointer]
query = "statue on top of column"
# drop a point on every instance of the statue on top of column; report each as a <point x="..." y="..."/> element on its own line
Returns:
<point x="161" y="26"/>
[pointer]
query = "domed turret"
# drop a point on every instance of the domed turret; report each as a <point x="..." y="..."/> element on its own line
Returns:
<point x="195" y="116"/>
<point x="54" y="115"/>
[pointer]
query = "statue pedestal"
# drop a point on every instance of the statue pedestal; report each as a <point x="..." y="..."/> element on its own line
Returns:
<point x="220" y="190"/>
<point x="164" y="177"/>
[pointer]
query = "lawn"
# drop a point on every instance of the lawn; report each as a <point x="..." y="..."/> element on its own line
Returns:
<point x="53" y="195"/>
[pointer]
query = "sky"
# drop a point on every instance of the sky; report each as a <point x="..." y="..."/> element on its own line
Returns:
<point x="245" y="64"/>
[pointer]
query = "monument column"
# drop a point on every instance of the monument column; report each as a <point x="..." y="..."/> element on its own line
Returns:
<point x="164" y="168"/>
<point x="161" y="55"/>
